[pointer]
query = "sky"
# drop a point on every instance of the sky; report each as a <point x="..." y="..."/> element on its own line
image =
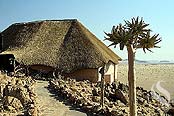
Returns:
<point x="99" y="16"/>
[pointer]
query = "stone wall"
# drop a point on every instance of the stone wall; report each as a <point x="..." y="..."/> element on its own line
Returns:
<point x="17" y="96"/>
<point x="86" y="96"/>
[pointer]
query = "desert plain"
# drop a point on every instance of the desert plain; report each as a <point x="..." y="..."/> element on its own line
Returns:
<point x="150" y="76"/>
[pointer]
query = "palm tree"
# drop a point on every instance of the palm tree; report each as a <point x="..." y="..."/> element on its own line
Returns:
<point x="133" y="35"/>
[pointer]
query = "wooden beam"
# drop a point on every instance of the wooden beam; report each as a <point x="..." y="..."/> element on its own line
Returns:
<point x="114" y="72"/>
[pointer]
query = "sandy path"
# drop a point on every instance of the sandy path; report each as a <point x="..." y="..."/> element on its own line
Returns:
<point x="49" y="106"/>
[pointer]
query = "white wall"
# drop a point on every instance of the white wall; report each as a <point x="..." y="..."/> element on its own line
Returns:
<point x="110" y="71"/>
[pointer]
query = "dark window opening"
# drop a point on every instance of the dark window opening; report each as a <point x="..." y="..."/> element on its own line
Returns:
<point x="7" y="62"/>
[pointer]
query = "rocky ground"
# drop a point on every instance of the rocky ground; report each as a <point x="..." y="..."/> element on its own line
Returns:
<point x="17" y="96"/>
<point x="24" y="96"/>
<point x="86" y="96"/>
<point x="67" y="97"/>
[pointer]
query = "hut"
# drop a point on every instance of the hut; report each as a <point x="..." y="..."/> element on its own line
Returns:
<point x="65" y="45"/>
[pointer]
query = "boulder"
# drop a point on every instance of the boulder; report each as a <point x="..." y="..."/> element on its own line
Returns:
<point x="87" y="108"/>
<point x="172" y="103"/>
<point x="119" y="95"/>
<point x="95" y="98"/>
<point x="123" y="87"/>
<point x="141" y="101"/>
<point x="115" y="112"/>
<point x="171" y="111"/>
<point x="95" y="92"/>
<point x="16" y="94"/>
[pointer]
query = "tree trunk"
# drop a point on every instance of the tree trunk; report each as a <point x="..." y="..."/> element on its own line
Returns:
<point x="131" y="81"/>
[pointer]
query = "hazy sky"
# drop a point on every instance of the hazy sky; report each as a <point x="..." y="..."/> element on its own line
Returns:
<point x="99" y="16"/>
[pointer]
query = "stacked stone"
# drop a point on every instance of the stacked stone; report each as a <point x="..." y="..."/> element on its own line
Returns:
<point x="86" y="96"/>
<point x="17" y="95"/>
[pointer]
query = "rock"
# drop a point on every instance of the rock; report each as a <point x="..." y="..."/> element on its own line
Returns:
<point x="171" y="111"/>
<point x="17" y="94"/>
<point x="107" y="85"/>
<point x="146" y="95"/>
<point x="96" y="108"/>
<point x="111" y="104"/>
<point x="16" y="103"/>
<point x="112" y="97"/>
<point x="87" y="108"/>
<point x="106" y="101"/>
<point x="95" y="92"/>
<point x="140" y="101"/>
<point x="84" y="90"/>
<point x="101" y="112"/>
<point x="158" y="111"/>
<point x="79" y="102"/>
<point x="32" y="111"/>
<point x="172" y="103"/>
<point x="106" y="93"/>
<point x="95" y="98"/>
<point x="146" y="104"/>
<point x="123" y="87"/>
<point x="121" y="104"/>
<point x="108" y="111"/>
<point x="120" y="96"/>
<point x="139" y="113"/>
<point x="114" y="112"/>
<point x="86" y="95"/>
<point x="113" y="86"/>
<point x="11" y="109"/>
<point x="72" y="99"/>
<point x="144" y="112"/>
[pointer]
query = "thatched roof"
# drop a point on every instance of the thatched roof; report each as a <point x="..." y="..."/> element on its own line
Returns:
<point x="63" y="44"/>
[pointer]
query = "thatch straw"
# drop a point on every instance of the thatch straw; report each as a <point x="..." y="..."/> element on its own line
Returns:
<point x="62" y="44"/>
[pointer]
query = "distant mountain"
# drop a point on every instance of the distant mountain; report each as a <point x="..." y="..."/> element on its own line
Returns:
<point x="125" y="61"/>
<point x="164" y="61"/>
